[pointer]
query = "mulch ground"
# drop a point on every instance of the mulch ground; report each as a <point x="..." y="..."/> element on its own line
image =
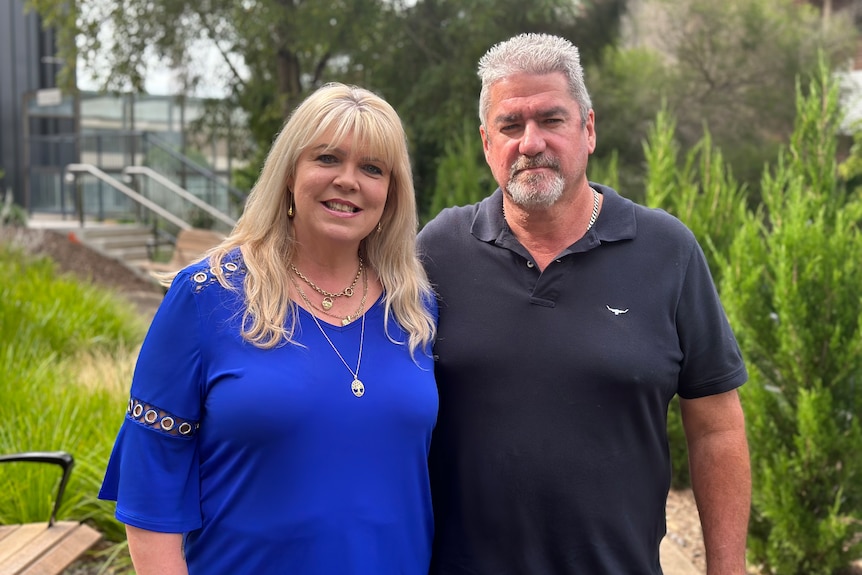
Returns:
<point x="88" y="265"/>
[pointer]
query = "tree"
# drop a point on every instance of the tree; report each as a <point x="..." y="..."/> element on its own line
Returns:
<point x="627" y="88"/>
<point x="428" y="71"/>
<point x="702" y="192"/>
<point x="421" y="57"/>
<point x="791" y="289"/>
<point x="275" y="51"/>
<point x="463" y="176"/>
<point x="729" y="65"/>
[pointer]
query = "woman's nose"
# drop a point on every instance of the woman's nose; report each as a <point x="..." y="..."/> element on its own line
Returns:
<point x="346" y="178"/>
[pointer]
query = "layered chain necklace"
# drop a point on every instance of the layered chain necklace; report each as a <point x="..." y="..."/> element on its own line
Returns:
<point x="356" y="386"/>
<point x="329" y="297"/>
<point x="345" y="319"/>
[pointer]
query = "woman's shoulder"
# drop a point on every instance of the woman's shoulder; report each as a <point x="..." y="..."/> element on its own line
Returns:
<point x="204" y="274"/>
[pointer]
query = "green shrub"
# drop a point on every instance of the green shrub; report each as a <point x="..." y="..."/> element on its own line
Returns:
<point x="67" y="352"/>
<point x="702" y="193"/>
<point x="791" y="289"/>
<point x="463" y="176"/>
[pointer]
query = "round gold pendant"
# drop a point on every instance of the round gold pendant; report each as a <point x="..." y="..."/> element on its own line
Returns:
<point x="326" y="303"/>
<point x="357" y="388"/>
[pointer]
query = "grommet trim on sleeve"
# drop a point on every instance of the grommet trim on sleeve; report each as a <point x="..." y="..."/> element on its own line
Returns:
<point x="207" y="277"/>
<point x="160" y="420"/>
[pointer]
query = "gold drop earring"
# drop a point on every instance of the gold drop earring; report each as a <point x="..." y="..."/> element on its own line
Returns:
<point x="290" y="212"/>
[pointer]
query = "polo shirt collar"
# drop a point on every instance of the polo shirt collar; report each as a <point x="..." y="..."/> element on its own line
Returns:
<point x="616" y="220"/>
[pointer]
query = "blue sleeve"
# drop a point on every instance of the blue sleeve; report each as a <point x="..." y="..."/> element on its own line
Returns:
<point x="153" y="472"/>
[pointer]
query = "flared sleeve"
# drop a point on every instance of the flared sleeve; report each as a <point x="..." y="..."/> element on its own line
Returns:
<point x="153" y="471"/>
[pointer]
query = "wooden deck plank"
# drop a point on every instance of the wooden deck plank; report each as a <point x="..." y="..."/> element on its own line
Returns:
<point x="34" y="548"/>
<point x="6" y="530"/>
<point x="17" y="540"/>
<point x="61" y="556"/>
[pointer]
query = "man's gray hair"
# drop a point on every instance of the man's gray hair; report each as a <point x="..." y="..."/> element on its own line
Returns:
<point x="533" y="54"/>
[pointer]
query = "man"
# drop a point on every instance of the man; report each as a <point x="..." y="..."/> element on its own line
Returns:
<point x="569" y="318"/>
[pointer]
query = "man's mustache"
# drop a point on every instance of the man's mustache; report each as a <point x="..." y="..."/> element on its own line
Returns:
<point x="525" y="163"/>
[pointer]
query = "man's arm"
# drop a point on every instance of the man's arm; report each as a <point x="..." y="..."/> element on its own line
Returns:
<point x="720" y="477"/>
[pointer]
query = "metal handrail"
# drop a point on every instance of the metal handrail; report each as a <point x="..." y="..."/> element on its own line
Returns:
<point x="210" y="175"/>
<point x="151" y="173"/>
<point x="72" y="169"/>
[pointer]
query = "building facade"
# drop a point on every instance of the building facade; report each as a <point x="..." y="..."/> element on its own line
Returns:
<point x="28" y="64"/>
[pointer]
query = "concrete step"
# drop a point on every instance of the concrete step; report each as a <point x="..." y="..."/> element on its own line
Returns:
<point x="122" y="241"/>
<point x="126" y="243"/>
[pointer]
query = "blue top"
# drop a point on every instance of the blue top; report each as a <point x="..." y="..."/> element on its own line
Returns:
<point x="265" y="459"/>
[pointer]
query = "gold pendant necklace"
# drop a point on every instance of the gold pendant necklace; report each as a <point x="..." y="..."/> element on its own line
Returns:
<point x="345" y="319"/>
<point x="329" y="296"/>
<point x="356" y="386"/>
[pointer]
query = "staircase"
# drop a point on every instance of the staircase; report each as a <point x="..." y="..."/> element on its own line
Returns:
<point x="126" y="243"/>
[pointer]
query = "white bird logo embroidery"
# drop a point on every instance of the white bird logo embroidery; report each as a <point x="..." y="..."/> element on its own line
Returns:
<point x="616" y="311"/>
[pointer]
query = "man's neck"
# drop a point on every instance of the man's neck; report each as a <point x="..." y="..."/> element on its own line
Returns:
<point x="546" y="232"/>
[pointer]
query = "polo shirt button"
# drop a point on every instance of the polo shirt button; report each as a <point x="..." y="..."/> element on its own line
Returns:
<point x="559" y="261"/>
<point x="529" y="264"/>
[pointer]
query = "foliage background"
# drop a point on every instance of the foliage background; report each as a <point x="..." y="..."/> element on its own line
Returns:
<point x="700" y="111"/>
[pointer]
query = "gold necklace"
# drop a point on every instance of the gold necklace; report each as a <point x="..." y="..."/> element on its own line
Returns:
<point x="356" y="386"/>
<point x="346" y="319"/>
<point x="328" y="296"/>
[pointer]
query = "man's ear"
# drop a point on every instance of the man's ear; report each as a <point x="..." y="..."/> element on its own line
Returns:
<point x="485" y="142"/>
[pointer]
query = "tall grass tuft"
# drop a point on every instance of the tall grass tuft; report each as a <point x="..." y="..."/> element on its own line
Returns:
<point x="67" y="351"/>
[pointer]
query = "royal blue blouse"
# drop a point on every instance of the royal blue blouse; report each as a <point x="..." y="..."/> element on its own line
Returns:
<point x="265" y="459"/>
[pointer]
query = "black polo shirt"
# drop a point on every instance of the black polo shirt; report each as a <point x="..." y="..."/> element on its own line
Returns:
<point x="550" y="453"/>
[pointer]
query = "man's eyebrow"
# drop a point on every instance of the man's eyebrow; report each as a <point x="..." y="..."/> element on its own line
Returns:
<point x="555" y="111"/>
<point x="507" y="118"/>
<point x="547" y="113"/>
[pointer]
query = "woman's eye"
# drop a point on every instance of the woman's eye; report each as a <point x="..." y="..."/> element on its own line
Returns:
<point x="327" y="159"/>
<point x="372" y="169"/>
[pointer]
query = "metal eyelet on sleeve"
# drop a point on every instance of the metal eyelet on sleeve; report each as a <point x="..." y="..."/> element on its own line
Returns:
<point x="209" y="276"/>
<point x="160" y="420"/>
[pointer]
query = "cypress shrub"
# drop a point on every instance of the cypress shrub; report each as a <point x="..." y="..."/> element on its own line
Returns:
<point x="703" y="194"/>
<point x="791" y="286"/>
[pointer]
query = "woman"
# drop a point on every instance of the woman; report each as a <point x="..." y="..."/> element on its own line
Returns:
<point x="282" y="405"/>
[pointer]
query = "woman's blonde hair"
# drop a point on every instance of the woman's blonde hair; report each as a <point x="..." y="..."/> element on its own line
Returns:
<point x="265" y="234"/>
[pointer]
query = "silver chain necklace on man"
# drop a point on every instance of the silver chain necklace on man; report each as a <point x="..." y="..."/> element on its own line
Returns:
<point x="595" y="213"/>
<point x="356" y="386"/>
